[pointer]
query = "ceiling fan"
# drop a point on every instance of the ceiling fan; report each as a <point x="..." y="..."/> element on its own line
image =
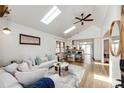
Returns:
<point x="86" y="18"/>
<point x="4" y="10"/>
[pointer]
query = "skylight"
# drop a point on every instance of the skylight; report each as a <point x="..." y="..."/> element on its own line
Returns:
<point x="70" y="29"/>
<point x="51" y="15"/>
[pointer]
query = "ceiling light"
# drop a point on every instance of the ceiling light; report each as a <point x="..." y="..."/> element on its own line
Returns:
<point x="51" y="15"/>
<point x="70" y="29"/>
<point x="6" y="31"/>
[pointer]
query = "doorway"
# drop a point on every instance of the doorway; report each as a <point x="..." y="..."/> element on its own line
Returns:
<point x="106" y="51"/>
<point x="87" y="47"/>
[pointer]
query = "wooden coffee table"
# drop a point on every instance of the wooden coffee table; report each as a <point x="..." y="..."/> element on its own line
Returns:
<point x="61" y="66"/>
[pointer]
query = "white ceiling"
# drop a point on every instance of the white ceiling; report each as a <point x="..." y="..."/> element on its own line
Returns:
<point x="31" y="16"/>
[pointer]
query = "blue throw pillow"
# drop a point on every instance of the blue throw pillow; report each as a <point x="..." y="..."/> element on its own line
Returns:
<point x="38" y="61"/>
<point x="43" y="83"/>
<point x="49" y="57"/>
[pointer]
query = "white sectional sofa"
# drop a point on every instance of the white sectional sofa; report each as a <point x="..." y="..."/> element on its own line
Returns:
<point x="46" y="63"/>
<point x="16" y="75"/>
<point x="19" y="79"/>
<point x="8" y="81"/>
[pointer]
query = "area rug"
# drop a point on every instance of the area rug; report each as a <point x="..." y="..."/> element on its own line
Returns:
<point x="77" y="71"/>
<point x="72" y="78"/>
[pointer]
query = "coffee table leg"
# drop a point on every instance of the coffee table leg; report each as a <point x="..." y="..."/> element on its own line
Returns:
<point x="59" y="70"/>
<point x="66" y="68"/>
<point x="56" y="69"/>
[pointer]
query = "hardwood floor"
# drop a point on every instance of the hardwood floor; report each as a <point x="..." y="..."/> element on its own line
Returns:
<point x="96" y="75"/>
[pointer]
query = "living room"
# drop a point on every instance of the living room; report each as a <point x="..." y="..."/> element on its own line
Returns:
<point x="48" y="40"/>
<point x="29" y="36"/>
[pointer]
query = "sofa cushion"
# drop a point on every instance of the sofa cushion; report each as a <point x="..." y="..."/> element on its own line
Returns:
<point x="27" y="78"/>
<point x="8" y="81"/>
<point x="47" y="64"/>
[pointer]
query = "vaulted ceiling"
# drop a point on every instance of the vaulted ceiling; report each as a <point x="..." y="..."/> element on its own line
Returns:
<point x="31" y="16"/>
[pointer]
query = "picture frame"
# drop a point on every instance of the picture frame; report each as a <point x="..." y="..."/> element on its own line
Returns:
<point x="29" y="40"/>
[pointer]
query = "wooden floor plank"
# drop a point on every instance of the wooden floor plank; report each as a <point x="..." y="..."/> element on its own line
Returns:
<point x="96" y="75"/>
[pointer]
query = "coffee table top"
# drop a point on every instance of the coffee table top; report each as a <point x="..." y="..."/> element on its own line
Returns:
<point x="62" y="64"/>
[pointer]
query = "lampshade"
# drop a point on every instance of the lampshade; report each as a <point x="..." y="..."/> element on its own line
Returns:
<point x="6" y="31"/>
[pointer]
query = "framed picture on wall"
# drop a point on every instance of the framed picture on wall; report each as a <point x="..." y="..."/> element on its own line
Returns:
<point x="29" y="40"/>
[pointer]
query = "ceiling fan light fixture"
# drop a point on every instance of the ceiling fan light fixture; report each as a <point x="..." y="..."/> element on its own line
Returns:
<point x="6" y="31"/>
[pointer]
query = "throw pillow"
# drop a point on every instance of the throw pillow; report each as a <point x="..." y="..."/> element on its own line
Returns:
<point x="29" y="62"/>
<point x="23" y="67"/>
<point x="33" y="61"/>
<point x="12" y="68"/>
<point x="49" y="57"/>
<point x="28" y="78"/>
<point x="44" y="59"/>
<point x="38" y="60"/>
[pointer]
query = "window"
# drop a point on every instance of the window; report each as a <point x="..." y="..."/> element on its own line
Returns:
<point x="86" y="48"/>
<point x="60" y="46"/>
<point x="57" y="46"/>
<point x="85" y="44"/>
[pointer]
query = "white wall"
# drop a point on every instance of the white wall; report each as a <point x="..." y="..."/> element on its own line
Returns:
<point x="115" y="68"/>
<point x="92" y="32"/>
<point x="97" y="49"/>
<point x="113" y="13"/>
<point x="10" y="49"/>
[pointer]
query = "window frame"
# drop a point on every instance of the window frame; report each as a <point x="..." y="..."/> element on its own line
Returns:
<point x="60" y="45"/>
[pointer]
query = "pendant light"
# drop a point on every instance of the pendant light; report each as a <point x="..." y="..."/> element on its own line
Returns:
<point x="6" y="30"/>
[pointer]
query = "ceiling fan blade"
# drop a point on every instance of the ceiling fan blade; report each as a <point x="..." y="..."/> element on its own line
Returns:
<point x="87" y="16"/>
<point x="78" y="18"/>
<point x="88" y="19"/>
<point x="3" y="9"/>
<point x="76" y="22"/>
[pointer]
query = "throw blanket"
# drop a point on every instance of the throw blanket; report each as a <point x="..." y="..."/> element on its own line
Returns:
<point x="43" y="83"/>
